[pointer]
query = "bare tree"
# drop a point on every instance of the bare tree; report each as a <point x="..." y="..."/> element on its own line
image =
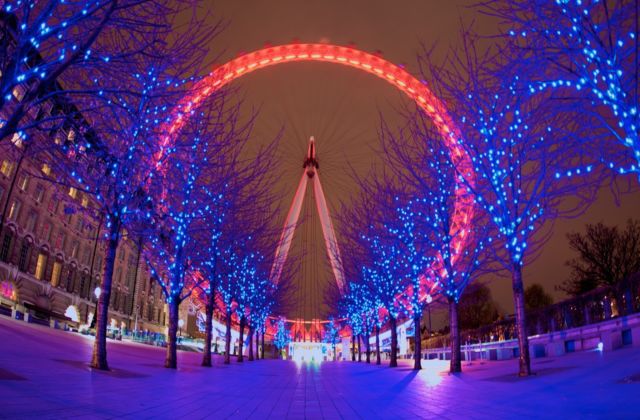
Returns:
<point x="584" y="54"/>
<point x="122" y="174"/>
<point x="528" y="166"/>
<point x="607" y="256"/>
<point x="189" y="205"/>
<point x="374" y="259"/>
<point x="51" y="47"/>
<point x="535" y="297"/>
<point x="476" y="307"/>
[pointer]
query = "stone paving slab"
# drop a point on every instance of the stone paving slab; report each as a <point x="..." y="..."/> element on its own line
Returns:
<point x="44" y="374"/>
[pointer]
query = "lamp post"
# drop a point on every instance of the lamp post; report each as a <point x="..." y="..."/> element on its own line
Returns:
<point x="96" y="292"/>
<point x="180" y="325"/>
<point x="429" y="300"/>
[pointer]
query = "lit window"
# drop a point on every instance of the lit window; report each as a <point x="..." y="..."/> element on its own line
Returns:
<point x="71" y="136"/>
<point x="18" y="139"/>
<point x="41" y="265"/>
<point x="23" y="183"/>
<point x="74" y="249"/>
<point x="18" y="92"/>
<point x="39" y="193"/>
<point x="14" y="209"/>
<point x="46" y="169"/>
<point x="73" y="193"/>
<point x="55" y="273"/>
<point x="6" y="168"/>
<point x="85" y="202"/>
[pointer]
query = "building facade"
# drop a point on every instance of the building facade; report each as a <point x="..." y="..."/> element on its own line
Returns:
<point x="51" y="247"/>
<point x="52" y="253"/>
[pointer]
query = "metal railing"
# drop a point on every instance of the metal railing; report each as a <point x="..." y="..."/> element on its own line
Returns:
<point x="595" y="306"/>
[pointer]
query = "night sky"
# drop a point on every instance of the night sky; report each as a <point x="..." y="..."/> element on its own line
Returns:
<point x="341" y="107"/>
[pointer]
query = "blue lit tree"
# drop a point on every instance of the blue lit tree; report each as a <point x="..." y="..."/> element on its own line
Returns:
<point x="266" y="297"/>
<point x="261" y="304"/>
<point x="274" y="298"/>
<point x="380" y="275"/>
<point x="244" y="286"/>
<point x="360" y="309"/>
<point x="379" y="321"/>
<point x="256" y="292"/>
<point x="409" y="225"/>
<point x="375" y="258"/>
<point x="441" y="267"/>
<point x="236" y="266"/>
<point x="585" y="55"/>
<point x="248" y="282"/>
<point x="353" y="314"/>
<point x="114" y="159"/>
<point x="227" y="290"/>
<point x="282" y="337"/>
<point x="186" y="207"/>
<point x="332" y="335"/>
<point x="51" y="47"/>
<point x="529" y="166"/>
<point x="240" y="183"/>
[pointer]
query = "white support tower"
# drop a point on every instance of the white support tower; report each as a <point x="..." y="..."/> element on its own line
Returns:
<point x="310" y="173"/>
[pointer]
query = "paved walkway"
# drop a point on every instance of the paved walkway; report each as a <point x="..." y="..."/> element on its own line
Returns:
<point x="44" y="374"/>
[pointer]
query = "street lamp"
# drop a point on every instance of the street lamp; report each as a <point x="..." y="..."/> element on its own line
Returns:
<point x="97" y="291"/>
<point x="180" y="325"/>
<point x="429" y="300"/>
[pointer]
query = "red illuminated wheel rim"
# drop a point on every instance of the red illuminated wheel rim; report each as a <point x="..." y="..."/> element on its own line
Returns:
<point x="369" y="63"/>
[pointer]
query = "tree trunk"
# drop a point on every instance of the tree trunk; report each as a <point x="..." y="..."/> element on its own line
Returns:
<point x="367" y="347"/>
<point x="171" y="361"/>
<point x="454" y="332"/>
<point x="359" y="348"/>
<point x="208" y="335"/>
<point x="99" y="356"/>
<point x="227" y="337"/>
<point x="394" y="343"/>
<point x="257" y="344"/>
<point x="241" y="340"/>
<point x="417" y="353"/>
<point x="521" y="324"/>
<point x="262" y="349"/>
<point x="250" y="344"/>
<point x="378" y="361"/>
<point x="353" y="348"/>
